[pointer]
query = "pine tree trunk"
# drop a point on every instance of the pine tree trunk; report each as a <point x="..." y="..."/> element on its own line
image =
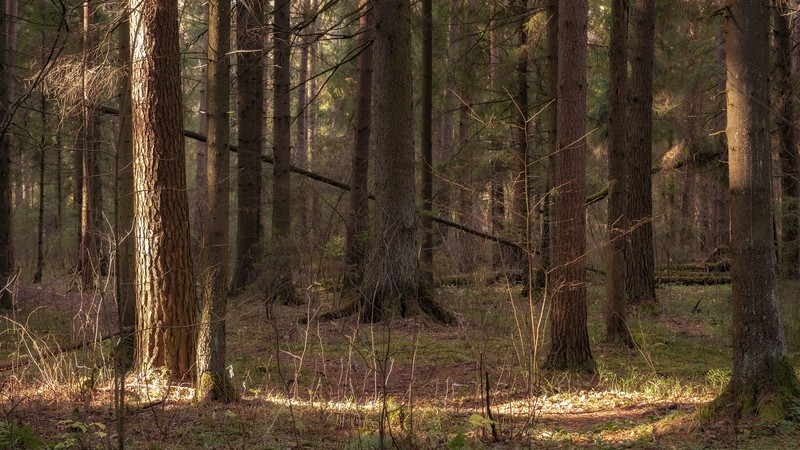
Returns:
<point x="640" y="255"/>
<point x="301" y="121"/>
<point x="426" y="139"/>
<point x="126" y="239"/>
<point x="357" y="227"/>
<point x="616" y="324"/>
<point x="281" y="287"/>
<point x="212" y="376"/>
<point x="6" y="244"/>
<point x="37" y="276"/>
<point x="450" y="106"/>
<point x="250" y="108"/>
<point x="569" y="335"/>
<point x="166" y="299"/>
<point x="201" y="150"/>
<point x="520" y="185"/>
<point x="762" y="380"/>
<point x="551" y="126"/>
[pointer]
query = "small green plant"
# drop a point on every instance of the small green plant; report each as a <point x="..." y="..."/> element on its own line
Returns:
<point x="12" y="436"/>
<point x="718" y="378"/>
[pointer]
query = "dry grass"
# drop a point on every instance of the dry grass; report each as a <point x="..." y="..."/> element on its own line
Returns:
<point x="331" y="385"/>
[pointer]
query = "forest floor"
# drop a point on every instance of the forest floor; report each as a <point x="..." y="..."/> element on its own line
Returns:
<point x="331" y="385"/>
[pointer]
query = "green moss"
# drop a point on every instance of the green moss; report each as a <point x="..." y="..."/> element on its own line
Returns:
<point x="214" y="388"/>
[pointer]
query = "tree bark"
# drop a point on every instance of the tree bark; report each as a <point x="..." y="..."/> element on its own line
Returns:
<point x="616" y="324"/>
<point x="520" y="185"/>
<point x="37" y="276"/>
<point x="426" y="139"/>
<point x="250" y="108"/>
<point x="281" y="286"/>
<point x="450" y="106"/>
<point x="212" y="376"/>
<point x="762" y="380"/>
<point x="551" y="126"/>
<point x="358" y="220"/>
<point x="301" y="122"/>
<point x="6" y="223"/>
<point x="201" y="150"/>
<point x="568" y="331"/>
<point x="640" y="255"/>
<point x="166" y="300"/>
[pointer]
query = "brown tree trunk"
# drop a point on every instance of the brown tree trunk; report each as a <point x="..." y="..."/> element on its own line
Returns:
<point x="616" y="324"/>
<point x="640" y="255"/>
<point x="212" y="376"/>
<point x="790" y="166"/>
<point x="520" y="176"/>
<point x="357" y="226"/>
<point x="126" y="239"/>
<point x="37" y="276"/>
<point x="201" y="150"/>
<point x="281" y="286"/>
<point x="6" y="244"/>
<point x="426" y="139"/>
<point x="551" y="126"/>
<point x="166" y="300"/>
<point x="568" y="331"/>
<point x="301" y="122"/>
<point x="450" y="106"/>
<point x="763" y="380"/>
<point x="250" y="108"/>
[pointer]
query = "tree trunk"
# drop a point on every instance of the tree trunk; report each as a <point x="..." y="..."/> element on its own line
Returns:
<point x="616" y="324"/>
<point x="89" y="264"/>
<point x="790" y="166"/>
<point x="551" y="126"/>
<point x="450" y="106"/>
<point x="6" y="244"/>
<point x="762" y="380"/>
<point x="166" y="300"/>
<point x="281" y="286"/>
<point x="357" y="227"/>
<point x="640" y="277"/>
<point x="393" y="280"/>
<point x="301" y="137"/>
<point x="569" y="335"/>
<point x="520" y="185"/>
<point x="212" y="376"/>
<point x="250" y="108"/>
<point x="426" y="139"/>
<point x="37" y="276"/>
<point x="126" y="239"/>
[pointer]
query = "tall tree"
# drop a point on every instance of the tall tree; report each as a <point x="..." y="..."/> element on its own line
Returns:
<point x="37" y="276"/>
<point x="281" y="287"/>
<point x="357" y="226"/>
<point x="762" y="380"/>
<point x="89" y="253"/>
<point x="6" y="244"/>
<point x="568" y="331"/>
<point x="640" y="256"/>
<point x="616" y="325"/>
<point x="213" y="383"/>
<point x="250" y="16"/>
<point x="521" y="156"/>
<point x="126" y="240"/>
<point x="790" y="162"/>
<point x="301" y="121"/>
<point x="426" y="139"/>
<point x="166" y="300"/>
<point x="392" y="280"/>
<point x="551" y="124"/>
<point x="450" y="106"/>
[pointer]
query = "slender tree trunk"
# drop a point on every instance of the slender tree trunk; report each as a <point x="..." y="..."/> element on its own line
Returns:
<point x="301" y="121"/>
<point x="520" y="185"/>
<point x="212" y="376"/>
<point x="568" y="331"/>
<point x="357" y="227"/>
<point x="450" y="107"/>
<point x="616" y="325"/>
<point x="790" y="166"/>
<point x="59" y="180"/>
<point x="166" y="299"/>
<point x="551" y="125"/>
<point x="763" y="380"/>
<point x="426" y="139"/>
<point x="640" y="277"/>
<point x="200" y="183"/>
<point x="37" y="276"/>
<point x="126" y="240"/>
<point x="6" y="243"/>
<point x="89" y="264"/>
<point x="281" y="288"/>
<point x="250" y="100"/>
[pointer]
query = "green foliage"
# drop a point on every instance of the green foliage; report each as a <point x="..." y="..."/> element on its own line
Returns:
<point x="18" y="437"/>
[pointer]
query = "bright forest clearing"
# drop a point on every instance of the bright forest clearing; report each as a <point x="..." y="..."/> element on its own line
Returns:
<point x="641" y="398"/>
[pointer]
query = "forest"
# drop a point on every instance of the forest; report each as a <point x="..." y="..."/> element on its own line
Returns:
<point x="373" y="224"/>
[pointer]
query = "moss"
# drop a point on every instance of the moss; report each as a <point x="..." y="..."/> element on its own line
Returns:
<point x="215" y="388"/>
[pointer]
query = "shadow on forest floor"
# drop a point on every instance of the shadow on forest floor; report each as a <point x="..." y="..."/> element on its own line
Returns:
<point x="434" y="395"/>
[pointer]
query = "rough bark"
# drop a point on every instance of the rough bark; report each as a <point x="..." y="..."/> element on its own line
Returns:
<point x="166" y="300"/>
<point x="616" y="324"/>
<point x="790" y="166"/>
<point x="640" y="255"/>
<point x="200" y="205"/>
<point x="762" y="380"/>
<point x="126" y="241"/>
<point x="212" y="376"/>
<point x="281" y="284"/>
<point x="450" y="106"/>
<point x="301" y="122"/>
<point x="37" y="276"/>
<point x="551" y="125"/>
<point x="357" y="226"/>
<point x="568" y="331"/>
<point x="250" y="108"/>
